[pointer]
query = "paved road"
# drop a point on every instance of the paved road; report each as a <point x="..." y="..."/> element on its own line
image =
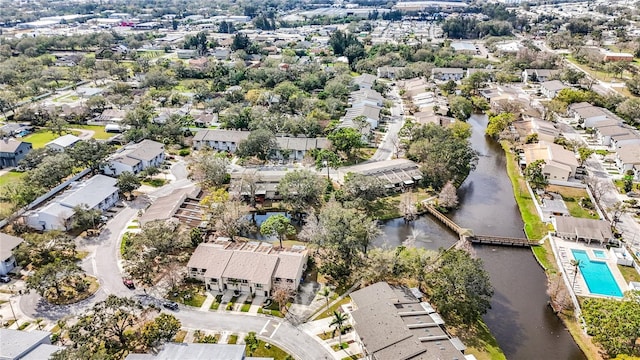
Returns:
<point x="601" y="87"/>
<point x="281" y="333"/>
<point x="103" y="263"/>
<point x="387" y="147"/>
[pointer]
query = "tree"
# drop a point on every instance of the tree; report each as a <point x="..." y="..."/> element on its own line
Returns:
<point x="442" y="155"/>
<point x="633" y="85"/>
<point x="362" y="191"/>
<point x="90" y="154"/>
<point x="584" y="153"/>
<point x="460" y="287"/>
<point x="576" y="265"/>
<point x="85" y="218"/>
<point x="240" y="42"/>
<point x="277" y="225"/>
<point x="54" y="276"/>
<point x="614" y="324"/>
<point x="598" y="187"/>
<point x="448" y="198"/>
<point x="499" y="123"/>
<point x="630" y="110"/>
<point x="535" y="176"/>
<point x="282" y="295"/>
<point x="162" y="329"/>
<point x="42" y="249"/>
<point x="617" y="210"/>
<point x="476" y="81"/>
<point x="260" y="143"/>
<point x="346" y="139"/>
<point x="251" y="341"/>
<point x="344" y="235"/>
<point x="227" y="216"/>
<point x="107" y="331"/>
<point x="210" y="168"/>
<point x="127" y="182"/>
<point x="50" y="171"/>
<point x="338" y="321"/>
<point x="461" y="108"/>
<point x="300" y="189"/>
<point x="57" y="125"/>
<point x="325" y="293"/>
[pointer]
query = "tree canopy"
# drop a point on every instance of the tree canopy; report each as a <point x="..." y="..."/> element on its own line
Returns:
<point x="459" y="286"/>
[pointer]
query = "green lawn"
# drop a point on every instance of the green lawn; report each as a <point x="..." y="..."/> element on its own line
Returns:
<point x="334" y="307"/>
<point x="629" y="273"/>
<point x="481" y="343"/>
<point x="233" y="339"/>
<point x="533" y="226"/>
<point x="40" y="138"/>
<point x="245" y="307"/>
<point x="11" y="176"/>
<point x="99" y="134"/>
<point x="271" y="351"/>
<point x="191" y="295"/>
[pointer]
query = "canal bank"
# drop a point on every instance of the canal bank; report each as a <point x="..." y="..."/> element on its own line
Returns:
<point x="524" y="326"/>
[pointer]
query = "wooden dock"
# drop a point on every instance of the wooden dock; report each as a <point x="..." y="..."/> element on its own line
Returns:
<point x="470" y="236"/>
<point x="499" y="240"/>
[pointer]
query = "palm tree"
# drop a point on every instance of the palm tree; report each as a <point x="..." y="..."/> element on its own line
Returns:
<point x="325" y="293"/>
<point x="576" y="264"/>
<point x="338" y="321"/>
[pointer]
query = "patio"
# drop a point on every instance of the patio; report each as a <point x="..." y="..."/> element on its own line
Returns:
<point x="574" y="278"/>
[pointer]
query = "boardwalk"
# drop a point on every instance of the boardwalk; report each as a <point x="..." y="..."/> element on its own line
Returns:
<point x="468" y="235"/>
<point x="499" y="240"/>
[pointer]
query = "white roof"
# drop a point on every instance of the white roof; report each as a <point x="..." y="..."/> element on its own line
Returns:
<point x="64" y="141"/>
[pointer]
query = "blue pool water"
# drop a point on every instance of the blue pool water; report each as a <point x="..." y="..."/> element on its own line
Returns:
<point x="599" y="254"/>
<point x="597" y="275"/>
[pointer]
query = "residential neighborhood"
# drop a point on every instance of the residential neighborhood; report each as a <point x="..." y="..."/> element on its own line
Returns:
<point x="319" y="180"/>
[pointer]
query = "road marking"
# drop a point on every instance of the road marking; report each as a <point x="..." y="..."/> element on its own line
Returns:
<point x="274" y="331"/>
<point x="264" y="328"/>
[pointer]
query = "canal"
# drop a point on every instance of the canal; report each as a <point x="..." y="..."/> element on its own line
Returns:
<point x="523" y="324"/>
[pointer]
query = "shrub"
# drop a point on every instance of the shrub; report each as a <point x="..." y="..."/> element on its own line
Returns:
<point x="184" y="152"/>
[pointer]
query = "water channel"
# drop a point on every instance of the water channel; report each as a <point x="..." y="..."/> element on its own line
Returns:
<point x="523" y="324"/>
<point x="520" y="319"/>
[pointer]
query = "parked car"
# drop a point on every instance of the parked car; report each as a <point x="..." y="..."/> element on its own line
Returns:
<point x="170" y="305"/>
<point x="128" y="283"/>
<point x="633" y="194"/>
<point x="5" y="279"/>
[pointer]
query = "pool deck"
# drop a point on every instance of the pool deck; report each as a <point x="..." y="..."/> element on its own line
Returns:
<point x="562" y="252"/>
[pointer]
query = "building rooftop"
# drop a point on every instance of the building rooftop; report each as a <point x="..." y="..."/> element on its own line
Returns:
<point x="15" y="343"/>
<point x="9" y="145"/>
<point x="90" y="192"/>
<point x="393" y="324"/>
<point x="7" y="244"/>
<point x="64" y="141"/>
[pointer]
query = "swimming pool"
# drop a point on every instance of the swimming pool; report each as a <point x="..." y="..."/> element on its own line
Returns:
<point x="599" y="254"/>
<point x="597" y="275"/>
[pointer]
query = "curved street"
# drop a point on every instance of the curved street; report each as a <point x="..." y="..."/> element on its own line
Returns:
<point x="103" y="263"/>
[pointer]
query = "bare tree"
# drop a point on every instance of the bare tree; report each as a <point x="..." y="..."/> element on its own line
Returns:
<point x="281" y="295"/>
<point x="597" y="186"/>
<point x="448" y="197"/>
<point x="558" y="295"/>
<point x="249" y="185"/>
<point x="395" y="141"/>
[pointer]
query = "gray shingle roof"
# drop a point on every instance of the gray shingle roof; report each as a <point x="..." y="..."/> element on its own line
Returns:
<point x="8" y="145"/>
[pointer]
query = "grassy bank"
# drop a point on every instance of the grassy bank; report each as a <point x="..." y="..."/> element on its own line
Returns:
<point x="480" y="342"/>
<point x="533" y="226"/>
